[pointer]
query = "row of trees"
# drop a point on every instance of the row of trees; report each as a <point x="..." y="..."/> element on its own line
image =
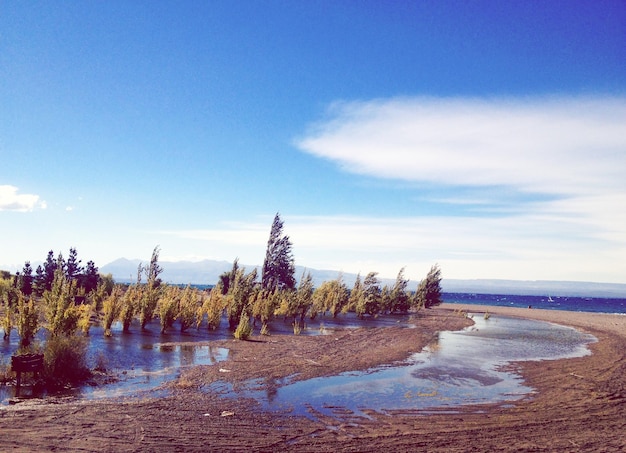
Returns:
<point x="67" y="298"/>
<point x="242" y="296"/>
<point x="85" y="277"/>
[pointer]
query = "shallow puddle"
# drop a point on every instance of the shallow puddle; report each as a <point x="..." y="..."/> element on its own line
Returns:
<point x="460" y="368"/>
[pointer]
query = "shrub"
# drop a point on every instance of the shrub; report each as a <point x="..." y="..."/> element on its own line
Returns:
<point x="6" y="322"/>
<point x="130" y="304"/>
<point x="112" y="308"/>
<point x="65" y="361"/>
<point x="244" y="328"/>
<point x="27" y="320"/>
<point x="214" y="306"/>
<point x="168" y="307"/>
<point x="187" y="308"/>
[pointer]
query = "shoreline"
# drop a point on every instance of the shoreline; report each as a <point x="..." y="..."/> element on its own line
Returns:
<point x="579" y="403"/>
<point x="611" y="322"/>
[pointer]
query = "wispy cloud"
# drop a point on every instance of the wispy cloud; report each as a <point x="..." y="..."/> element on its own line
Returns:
<point x="555" y="167"/>
<point x="555" y="145"/>
<point x="11" y="200"/>
<point x="530" y="188"/>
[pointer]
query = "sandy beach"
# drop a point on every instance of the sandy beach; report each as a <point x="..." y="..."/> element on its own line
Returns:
<point x="578" y="404"/>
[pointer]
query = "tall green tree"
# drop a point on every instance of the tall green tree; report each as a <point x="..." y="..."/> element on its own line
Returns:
<point x="428" y="292"/>
<point x="278" y="267"/>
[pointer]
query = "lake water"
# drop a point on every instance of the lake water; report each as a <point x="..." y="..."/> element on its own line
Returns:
<point x="460" y="368"/>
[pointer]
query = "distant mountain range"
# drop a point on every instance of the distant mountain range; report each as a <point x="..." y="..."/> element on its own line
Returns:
<point x="207" y="272"/>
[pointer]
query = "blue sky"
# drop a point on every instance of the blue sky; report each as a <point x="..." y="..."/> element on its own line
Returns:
<point x="486" y="136"/>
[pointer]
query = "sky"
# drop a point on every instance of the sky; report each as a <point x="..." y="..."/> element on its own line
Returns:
<point x="486" y="136"/>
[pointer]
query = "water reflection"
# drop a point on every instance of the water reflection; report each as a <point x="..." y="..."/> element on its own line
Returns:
<point x="459" y="368"/>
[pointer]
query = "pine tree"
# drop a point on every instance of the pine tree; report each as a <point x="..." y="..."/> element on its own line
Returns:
<point x="49" y="268"/>
<point x="278" y="267"/>
<point x="26" y="279"/>
<point x="90" y="277"/>
<point x="72" y="266"/>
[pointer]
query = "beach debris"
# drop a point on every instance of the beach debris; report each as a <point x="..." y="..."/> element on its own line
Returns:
<point x="206" y="414"/>
<point x="227" y="414"/>
<point x="224" y="370"/>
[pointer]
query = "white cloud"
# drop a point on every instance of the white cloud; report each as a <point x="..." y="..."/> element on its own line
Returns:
<point x="561" y="160"/>
<point x="561" y="146"/>
<point x="548" y="172"/>
<point x="545" y="245"/>
<point x="11" y="200"/>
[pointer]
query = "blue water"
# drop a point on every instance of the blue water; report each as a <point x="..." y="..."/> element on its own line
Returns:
<point x="459" y="368"/>
<point x="569" y="303"/>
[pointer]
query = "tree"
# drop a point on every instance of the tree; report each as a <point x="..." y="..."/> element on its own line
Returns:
<point x="400" y="301"/>
<point x="90" y="277"/>
<point x="39" y="283"/>
<point x="72" y="266"/>
<point x="188" y="306"/>
<point x="370" y="301"/>
<point x="27" y="319"/>
<point x="148" y="303"/>
<point x="278" y="267"/>
<point x="153" y="270"/>
<point x="26" y="279"/>
<point x="168" y="305"/>
<point x="428" y="292"/>
<point x="49" y="268"/>
<point x="62" y="313"/>
<point x="228" y="278"/>
<point x="304" y="297"/>
<point x="238" y="297"/>
<point x="356" y="294"/>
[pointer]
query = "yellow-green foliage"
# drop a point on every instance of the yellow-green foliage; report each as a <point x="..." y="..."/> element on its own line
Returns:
<point x="244" y="328"/>
<point x="130" y="305"/>
<point x="112" y="308"/>
<point x="148" y="304"/>
<point x="188" y="307"/>
<point x="330" y="296"/>
<point x="27" y="319"/>
<point x="264" y="304"/>
<point x="167" y="307"/>
<point x="5" y="285"/>
<point x="99" y="295"/>
<point x="6" y="322"/>
<point x="61" y="312"/>
<point x="84" y="320"/>
<point x="213" y="307"/>
<point x="65" y="360"/>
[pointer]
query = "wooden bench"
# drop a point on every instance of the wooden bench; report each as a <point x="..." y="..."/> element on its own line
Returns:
<point x="26" y="363"/>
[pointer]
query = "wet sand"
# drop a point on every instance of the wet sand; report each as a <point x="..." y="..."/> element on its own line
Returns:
<point x="579" y="404"/>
